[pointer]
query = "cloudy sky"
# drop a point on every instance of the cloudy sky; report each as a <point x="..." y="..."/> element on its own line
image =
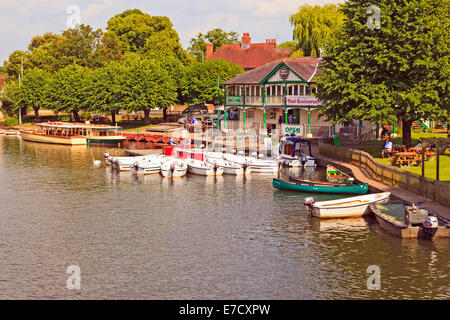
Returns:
<point x="20" y="20"/>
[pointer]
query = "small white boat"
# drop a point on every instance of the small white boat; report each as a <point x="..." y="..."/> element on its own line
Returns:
<point x="174" y="168"/>
<point x="351" y="207"/>
<point x="126" y="163"/>
<point x="262" y="166"/>
<point x="12" y="132"/>
<point x="148" y="166"/>
<point x="204" y="169"/>
<point x="292" y="154"/>
<point x="230" y="168"/>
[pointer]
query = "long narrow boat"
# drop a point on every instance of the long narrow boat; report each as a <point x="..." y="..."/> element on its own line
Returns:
<point x="345" y="208"/>
<point x="43" y="137"/>
<point x="337" y="176"/>
<point x="403" y="220"/>
<point x="319" y="187"/>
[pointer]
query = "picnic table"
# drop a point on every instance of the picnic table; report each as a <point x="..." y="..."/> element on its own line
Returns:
<point x="429" y="154"/>
<point x="404" y="159"/>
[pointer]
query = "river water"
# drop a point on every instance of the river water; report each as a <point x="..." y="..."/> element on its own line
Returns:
<point x="191" y="238"/>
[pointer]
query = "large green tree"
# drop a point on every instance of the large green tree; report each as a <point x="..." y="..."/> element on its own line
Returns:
<point x="217" y="37"/>
<point x="152" y="36"/>
<point x="69" y="90"/>
<point x="314" y="25"/>
<point x="398" y="68"/>
<point x="201" y="80"/>
<point x="147" y="86"/>
<point x="32" y="93"/>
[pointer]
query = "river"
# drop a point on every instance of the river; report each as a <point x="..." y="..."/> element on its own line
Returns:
<point x="192" y="238"/>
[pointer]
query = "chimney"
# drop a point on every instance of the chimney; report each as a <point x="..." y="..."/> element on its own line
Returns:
<point x="246" y="40"/>
<point x="271" y="43"/>
<point x="209" y="50"/>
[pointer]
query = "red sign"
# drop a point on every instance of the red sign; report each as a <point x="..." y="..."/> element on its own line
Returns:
<point x="302" y="101"/>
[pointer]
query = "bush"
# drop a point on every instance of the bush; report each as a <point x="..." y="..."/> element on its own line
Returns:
<point x="11" y="122"/>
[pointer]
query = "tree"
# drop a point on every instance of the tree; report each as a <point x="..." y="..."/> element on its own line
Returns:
<point x="201" y="80"/>
<point x="69" y="90"/>
<point x="217" y="37"/>
<point x="32" y="92"/>
<point x="314" y="25"/>
<point x="106" y="89"/>
<point x="152" y="36"/>
<point x="296" y="51"/>
<point x="147" y="86"/>
<point x="399" y="70"/>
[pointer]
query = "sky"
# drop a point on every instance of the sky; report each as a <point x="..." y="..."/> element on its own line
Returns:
<point x="20" y="20"/>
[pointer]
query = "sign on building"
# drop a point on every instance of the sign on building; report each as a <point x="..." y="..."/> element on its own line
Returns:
<point x="302" y="101"/>
<point x="291" y="128"/>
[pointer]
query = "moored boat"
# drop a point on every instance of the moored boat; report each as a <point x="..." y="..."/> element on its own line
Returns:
<point x="202" y="168"/>
<point x="174" y="168"/>
<point x="319" y="186"/>
<point x="405" y="220"/>
<point x="56" y="138"/>
<point x="351" y="207"/>
<point x="336" y="176"/>
<point x="292" y="154"/>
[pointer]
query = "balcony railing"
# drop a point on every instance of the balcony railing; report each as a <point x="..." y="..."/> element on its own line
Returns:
<point x="272" y="100"/>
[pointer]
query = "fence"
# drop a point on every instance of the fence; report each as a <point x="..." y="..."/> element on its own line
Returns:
<point x="432" y="189"/>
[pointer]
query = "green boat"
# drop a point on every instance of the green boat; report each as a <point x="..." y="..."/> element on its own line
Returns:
<point x="336" y="176"/>
<point x="318" y="186"/>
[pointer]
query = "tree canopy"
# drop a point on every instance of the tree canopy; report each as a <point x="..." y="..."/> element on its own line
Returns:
<point x="314" y="25"/>
<point x="201" y="80"/>
<point x="399" y="70"/>
<point x="217" y="37"/>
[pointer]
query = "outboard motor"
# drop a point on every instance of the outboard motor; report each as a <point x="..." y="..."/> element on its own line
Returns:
<point x="309" y="201"/>
<point x="429" y="227"/>
<point x="115" y="165"/>
<point x="106" y="155"/>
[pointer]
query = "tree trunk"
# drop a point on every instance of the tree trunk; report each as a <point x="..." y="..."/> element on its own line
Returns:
<point x="76" y="116"/>
<point x="36" y="115"/>
<point x="113" y="117"/>
<point x="406" y="128"/>
<point x="165" y="114"/>
<point x="146" y="116"/>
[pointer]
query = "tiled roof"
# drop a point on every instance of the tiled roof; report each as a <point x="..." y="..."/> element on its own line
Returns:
<point x="306" y="67"/>
<point x="249" y="58"/>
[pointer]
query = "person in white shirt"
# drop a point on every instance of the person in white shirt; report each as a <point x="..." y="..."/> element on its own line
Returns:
<point x="387" y="147"/>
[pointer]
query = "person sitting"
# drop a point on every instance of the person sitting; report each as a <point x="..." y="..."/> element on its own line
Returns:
<point x="387" y="147"/>
<point x="172" y="141"/>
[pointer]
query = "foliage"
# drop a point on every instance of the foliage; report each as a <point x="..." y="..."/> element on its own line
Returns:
<point x="398" y="71"/>
<point x="11" y="122"/>
<point x="32" y="91"/>
<point x="217" y="37"/>
<point x="296" y="51"/>
<point x="201" y="80"/>
<point x="314" y="25"/>
<point x="151" y="36"/>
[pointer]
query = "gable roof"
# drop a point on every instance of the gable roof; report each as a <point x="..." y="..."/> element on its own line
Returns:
<point x="249" y="58"/>
<point x="307" y="68"/>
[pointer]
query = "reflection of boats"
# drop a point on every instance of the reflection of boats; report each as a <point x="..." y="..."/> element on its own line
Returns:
<point x="319" y="186"/>
<point x="292" y="155"/>
<point x="174" y="168"/>
<point x="337" y="225"/>
<point x="337" y="176"/>
<point x="202" y="168"/>
<point x="347" y="207"/>
<point x="74" y="134"/>
<point x="407" y="221"/>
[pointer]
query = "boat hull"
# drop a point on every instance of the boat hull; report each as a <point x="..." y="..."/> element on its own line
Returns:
<point x="353" y="207"/>
<point x="70" y="141"/>
<point x="203" y="170"/>
<point x="354" y="189"/>
<point x="402" y="230"/>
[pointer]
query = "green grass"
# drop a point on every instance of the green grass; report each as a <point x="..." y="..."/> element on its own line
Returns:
<point x="374" y="149"/>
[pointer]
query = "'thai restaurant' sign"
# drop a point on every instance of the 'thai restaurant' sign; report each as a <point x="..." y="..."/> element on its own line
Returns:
<point x="302" y="101"/>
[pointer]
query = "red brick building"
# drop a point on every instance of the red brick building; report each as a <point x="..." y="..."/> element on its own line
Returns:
<point x="246" y="54"/>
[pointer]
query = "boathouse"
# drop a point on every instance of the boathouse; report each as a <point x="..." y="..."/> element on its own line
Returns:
<point x="276" y="94"/>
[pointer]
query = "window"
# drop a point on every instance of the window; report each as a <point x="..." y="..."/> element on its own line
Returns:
<point x="249" y="114"/>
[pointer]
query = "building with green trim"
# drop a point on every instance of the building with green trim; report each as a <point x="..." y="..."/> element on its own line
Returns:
<point x="279" y="91"/>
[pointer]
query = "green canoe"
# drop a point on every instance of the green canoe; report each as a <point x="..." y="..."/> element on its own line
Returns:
<point x="320" y="187"/>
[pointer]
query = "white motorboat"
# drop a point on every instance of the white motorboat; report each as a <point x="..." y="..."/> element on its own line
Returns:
<point x="203" y="168"/>
<point x="147" y="167"/>
<point x="351" y="207"/>
<point x="292" y="154"/>
<point x="126" y="163"/>
<point x="262" y="166"/>
<point x="230" y="168"/>
<point x="174" y="168"/>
